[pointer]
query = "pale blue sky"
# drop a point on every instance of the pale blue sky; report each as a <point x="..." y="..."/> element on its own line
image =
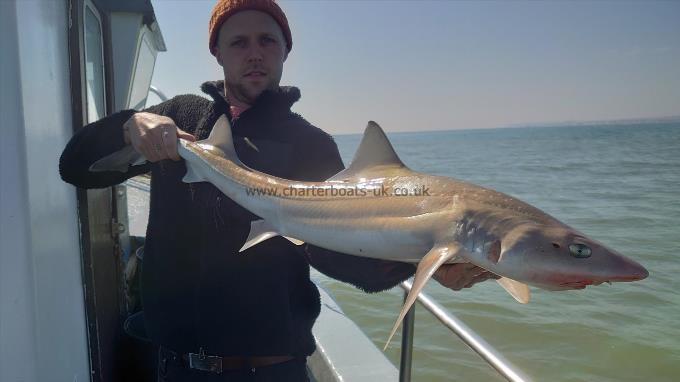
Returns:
<point x="431" y="65"/>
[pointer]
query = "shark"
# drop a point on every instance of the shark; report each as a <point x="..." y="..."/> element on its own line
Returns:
<point x="380" y="208"/>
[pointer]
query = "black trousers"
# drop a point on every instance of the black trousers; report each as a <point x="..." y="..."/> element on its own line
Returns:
<point x="172" y="370"/>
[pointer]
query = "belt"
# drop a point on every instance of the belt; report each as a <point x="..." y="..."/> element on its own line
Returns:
<point x="217" y="364"/>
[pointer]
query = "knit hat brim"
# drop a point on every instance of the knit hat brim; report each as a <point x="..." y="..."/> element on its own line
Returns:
<point x="227" y="8"/>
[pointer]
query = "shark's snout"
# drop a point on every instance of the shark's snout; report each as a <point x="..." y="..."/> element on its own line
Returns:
<point x="625" y="270"/>
<point x="622" y="269"/>
<point x="631" y="271"/>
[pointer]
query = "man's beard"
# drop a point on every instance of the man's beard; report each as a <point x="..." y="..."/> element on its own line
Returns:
<point x="242" y="93"/>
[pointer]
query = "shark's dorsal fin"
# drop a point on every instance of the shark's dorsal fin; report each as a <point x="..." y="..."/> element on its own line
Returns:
<point x="375" y="151"/>
<point x="221" y="141"/>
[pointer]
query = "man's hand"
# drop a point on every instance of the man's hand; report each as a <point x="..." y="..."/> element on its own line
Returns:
<point x="154" y="136"/>
<point x="459" y="276"/>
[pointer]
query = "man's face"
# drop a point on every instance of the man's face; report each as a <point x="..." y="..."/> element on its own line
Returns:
<point x="251" y="50"/>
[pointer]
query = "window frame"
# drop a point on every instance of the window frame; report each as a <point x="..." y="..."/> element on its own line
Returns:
<point x="88" y="4"/>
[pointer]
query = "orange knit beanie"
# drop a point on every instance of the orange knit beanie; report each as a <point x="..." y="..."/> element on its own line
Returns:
<point x="226" y="8"/>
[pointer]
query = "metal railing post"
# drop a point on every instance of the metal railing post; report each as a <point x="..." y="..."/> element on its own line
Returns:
<point x="407" y="344"/>
<point x="472" y="339"/>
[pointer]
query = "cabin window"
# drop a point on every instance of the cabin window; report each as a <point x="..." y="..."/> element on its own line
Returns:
<point x="143" y="73"/>
<point x="94" y="65"/>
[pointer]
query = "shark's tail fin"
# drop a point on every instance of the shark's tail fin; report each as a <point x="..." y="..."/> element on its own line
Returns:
<point x="119" y="161"/>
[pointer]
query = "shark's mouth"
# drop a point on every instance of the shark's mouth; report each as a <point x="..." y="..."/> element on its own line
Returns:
<point x="583" y="284"/>
<point x="576" y="284"/>
<point x="618" y="278"/>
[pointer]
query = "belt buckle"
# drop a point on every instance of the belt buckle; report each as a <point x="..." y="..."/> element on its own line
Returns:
<point x="204" y="362"/>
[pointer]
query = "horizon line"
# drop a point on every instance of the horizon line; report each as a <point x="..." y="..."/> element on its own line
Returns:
<point x="623" y="121"/>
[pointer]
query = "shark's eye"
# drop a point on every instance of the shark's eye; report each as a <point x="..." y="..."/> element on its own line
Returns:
<point x="580" y="250"/>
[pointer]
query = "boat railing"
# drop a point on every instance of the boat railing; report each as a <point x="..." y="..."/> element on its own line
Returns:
<point x="464" y="332"/>
<point x="158" y="93"/>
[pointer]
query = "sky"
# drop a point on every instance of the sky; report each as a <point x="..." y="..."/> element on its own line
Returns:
<point x="442" y="65"/>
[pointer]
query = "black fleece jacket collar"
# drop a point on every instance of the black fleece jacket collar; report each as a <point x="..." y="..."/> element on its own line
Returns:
<point x="281" y="99"/>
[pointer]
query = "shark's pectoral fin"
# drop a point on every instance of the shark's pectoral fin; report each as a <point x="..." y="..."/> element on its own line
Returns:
<point x="119" y="161"/>
<point x="518" y="290"/>
<point x="437" y="256"/>
<point x="260" y="231"/>
<point x="192" y="176"/>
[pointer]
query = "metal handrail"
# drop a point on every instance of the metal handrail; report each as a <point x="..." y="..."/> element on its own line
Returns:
<point x="157" y="92"/>
<point x="465" y="333"/>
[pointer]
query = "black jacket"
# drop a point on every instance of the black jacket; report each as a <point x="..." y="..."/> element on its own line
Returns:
<point x="197" y="290"/>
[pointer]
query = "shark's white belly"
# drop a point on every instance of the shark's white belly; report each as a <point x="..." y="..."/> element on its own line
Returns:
<point x="350" y="233"/>
<point x="343" y="237"/>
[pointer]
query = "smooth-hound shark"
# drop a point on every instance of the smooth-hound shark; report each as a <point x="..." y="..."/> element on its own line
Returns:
<point x="380" y="208"/>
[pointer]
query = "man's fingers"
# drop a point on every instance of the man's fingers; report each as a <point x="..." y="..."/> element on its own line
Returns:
<point x="164" y="142"/>
<point x="479" y="278"/>
<point x="155" y="136"/>
<point x="143" y="144"/>
<point x="451" y="276"/>
<point x="151" y="151"/>
<point x="161" y="148"/>
<point x="473" y="268"/>
<point x="476" y="271"/>
<point x="442" y="274"/>
<point x="184" y="135"/>
<point x="169" y="138"/>
<point x="459" y="276"/>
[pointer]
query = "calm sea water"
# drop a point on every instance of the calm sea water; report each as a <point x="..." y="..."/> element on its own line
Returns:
<point x="619" y="185"/>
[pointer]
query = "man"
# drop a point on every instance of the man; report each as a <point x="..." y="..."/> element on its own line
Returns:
<point x="217" y="315"/>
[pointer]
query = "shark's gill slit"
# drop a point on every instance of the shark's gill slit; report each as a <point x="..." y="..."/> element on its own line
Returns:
<point x="494" y="254"/>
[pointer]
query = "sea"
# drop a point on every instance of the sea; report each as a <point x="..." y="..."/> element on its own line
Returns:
<point x="618" y="184"/>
